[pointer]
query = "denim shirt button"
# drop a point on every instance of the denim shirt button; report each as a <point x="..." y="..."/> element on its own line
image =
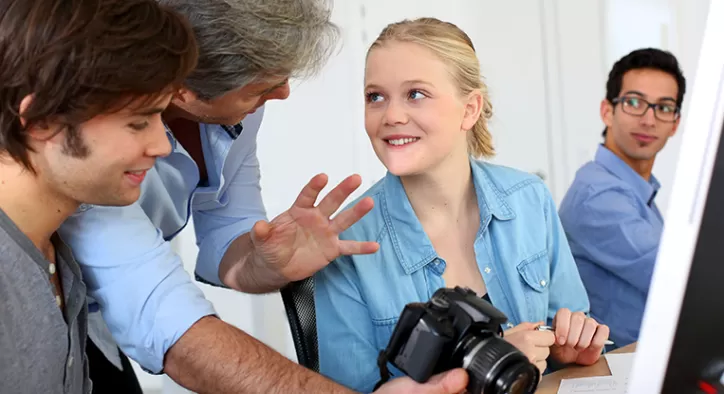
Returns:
<point x="487" y="270"/>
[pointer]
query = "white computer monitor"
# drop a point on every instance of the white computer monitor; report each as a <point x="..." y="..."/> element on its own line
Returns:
<point x="682" y="334"/>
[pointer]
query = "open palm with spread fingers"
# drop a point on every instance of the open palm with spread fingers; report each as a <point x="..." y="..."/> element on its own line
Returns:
<point x="304" y="239"/>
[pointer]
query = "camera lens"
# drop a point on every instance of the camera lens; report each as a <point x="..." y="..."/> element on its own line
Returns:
<point x="520" y="385"/>
<point x="496" y="367"/>
<point x="518" y="380"/>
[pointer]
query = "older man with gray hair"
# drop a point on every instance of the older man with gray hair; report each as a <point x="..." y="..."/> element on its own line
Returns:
<point x="248" y="51"/>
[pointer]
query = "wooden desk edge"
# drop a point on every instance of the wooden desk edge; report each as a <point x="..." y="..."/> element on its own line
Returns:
<point x="549" y="384"/>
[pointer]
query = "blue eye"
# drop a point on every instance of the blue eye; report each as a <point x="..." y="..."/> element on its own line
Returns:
<point x="373" y="97"/>
<point x="416" y="94"/>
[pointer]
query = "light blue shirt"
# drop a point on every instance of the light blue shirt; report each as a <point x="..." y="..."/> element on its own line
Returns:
<point x="147" y="298"/>
<point x="520" y="248"/>
<point x="614" y="227"/>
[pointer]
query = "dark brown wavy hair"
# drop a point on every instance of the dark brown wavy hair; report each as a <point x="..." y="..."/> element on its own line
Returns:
<point x="82" y="58"/>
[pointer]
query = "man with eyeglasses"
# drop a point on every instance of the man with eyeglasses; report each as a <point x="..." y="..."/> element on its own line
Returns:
<point x="609" y="213"/>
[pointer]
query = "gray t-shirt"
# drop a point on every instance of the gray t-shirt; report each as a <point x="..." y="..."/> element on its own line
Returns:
<point x="42" y="349"/>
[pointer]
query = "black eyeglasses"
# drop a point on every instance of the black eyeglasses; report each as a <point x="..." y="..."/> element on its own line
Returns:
<point x="634" y="105"/>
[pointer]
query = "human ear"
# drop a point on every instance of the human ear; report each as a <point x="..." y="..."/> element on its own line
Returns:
<point x="473" y="108"/>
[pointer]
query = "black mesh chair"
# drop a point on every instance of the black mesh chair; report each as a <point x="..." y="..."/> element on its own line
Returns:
<point x="298" y="298"/>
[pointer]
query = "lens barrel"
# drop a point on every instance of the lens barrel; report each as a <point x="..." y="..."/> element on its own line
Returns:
<point x="496" y="367"/>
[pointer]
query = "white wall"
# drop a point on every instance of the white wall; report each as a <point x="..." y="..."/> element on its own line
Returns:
<point x="574" y="46"/>
<point x="546" y="62"/>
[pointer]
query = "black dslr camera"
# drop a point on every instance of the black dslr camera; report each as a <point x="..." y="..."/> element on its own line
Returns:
<point x="456" y="328"/>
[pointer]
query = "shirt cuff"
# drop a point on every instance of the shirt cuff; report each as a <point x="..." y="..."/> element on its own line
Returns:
<point x="212" y="250"/>
<point x="174" y="328"/>
<point x="180" y="310"/>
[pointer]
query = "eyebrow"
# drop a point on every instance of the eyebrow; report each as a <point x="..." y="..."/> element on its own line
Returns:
<point x="277" y="86"/>
<point x="148" y="111"/>
<point x="636" y="92"/>
<point x="408" y="82"/>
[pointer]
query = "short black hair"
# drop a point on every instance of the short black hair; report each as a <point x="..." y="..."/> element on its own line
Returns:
<point x="645" y="58"/>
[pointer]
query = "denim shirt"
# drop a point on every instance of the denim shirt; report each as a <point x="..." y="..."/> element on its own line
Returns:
<point x="520" y="248"/>
<point x="147" y="298"/>
<point x="614" y="228"/>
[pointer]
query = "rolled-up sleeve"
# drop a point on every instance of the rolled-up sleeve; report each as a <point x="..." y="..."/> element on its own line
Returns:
<point x="217" y="228"/>
<point x="147" y="298"/>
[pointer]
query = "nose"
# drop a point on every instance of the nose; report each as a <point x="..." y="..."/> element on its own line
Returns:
<point x="648" y="118"/>
<point x="395" y="113"/>
<point x="158" y="144"/>
<point x="280" y="93"/>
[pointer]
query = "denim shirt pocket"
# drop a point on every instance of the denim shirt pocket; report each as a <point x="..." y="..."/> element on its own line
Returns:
<point x="535" y="274"/>
<point x="383" y="332"/>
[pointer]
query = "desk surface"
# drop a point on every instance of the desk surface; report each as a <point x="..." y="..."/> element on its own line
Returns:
<point x="549" y="384"/>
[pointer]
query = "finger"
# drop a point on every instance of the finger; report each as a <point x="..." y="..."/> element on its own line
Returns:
<point x="589" y="329"/>
<point x="450" y="382"/>
<point x="541" y="365"/>
<point x="539" y="353"/>
<point x="578" y="319"/>
<point x="347" y="248"/>
<point x="543" y="339"/>
<point x="600" y="337"/>
<point x="308" y="196"/>
<point x="334" y="199"/>
<point x="350" y="216"/>
<point x="260" y="232"/>
<point x="525" y="326"/>
<point x="562" y="323"/>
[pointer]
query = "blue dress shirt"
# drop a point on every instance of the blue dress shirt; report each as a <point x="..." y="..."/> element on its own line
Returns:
<point x="520" y="248"/>
<point x="613" y="226"/>
<point x="146" y="297"/>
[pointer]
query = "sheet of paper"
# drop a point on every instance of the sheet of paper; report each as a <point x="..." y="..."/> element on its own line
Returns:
<point x="595" y="385"/>
<point x="620" y="364"/>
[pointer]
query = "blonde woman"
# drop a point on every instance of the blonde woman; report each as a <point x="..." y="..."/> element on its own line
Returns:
<point x="445" y="218"/>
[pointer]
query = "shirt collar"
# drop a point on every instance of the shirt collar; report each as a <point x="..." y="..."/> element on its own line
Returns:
<point x="613" y="164"/>
<point x="233" y="131"/>
<point x="413" y="247"/>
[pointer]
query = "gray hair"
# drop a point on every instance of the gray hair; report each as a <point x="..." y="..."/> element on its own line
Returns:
<point x="244" y="41"/>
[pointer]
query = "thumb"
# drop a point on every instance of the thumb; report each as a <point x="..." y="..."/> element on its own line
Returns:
<point x="450" y="382"/>
<point x="260" y="232"/>
<point x="532" y="326"/>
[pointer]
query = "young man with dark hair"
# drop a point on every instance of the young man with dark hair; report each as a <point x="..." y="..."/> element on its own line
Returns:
<point x="609" y="214"/>
<point x="82" y="88"/>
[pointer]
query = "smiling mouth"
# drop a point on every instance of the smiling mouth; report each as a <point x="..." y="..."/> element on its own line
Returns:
<point x="136" y="176"/>
<point x="401" y="141"/>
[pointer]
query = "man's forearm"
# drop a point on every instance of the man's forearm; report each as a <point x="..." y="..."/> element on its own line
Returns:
<point x="241" y="270"/>
<point x="215" y="357"/>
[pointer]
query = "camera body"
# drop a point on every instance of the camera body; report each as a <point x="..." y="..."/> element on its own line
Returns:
<point x="454" y="329"/>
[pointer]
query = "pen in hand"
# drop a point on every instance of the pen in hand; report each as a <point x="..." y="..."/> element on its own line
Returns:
<point x="549" y="328"/>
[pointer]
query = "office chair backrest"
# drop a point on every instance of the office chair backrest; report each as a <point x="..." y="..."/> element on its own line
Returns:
<point x="298" y="298"/>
